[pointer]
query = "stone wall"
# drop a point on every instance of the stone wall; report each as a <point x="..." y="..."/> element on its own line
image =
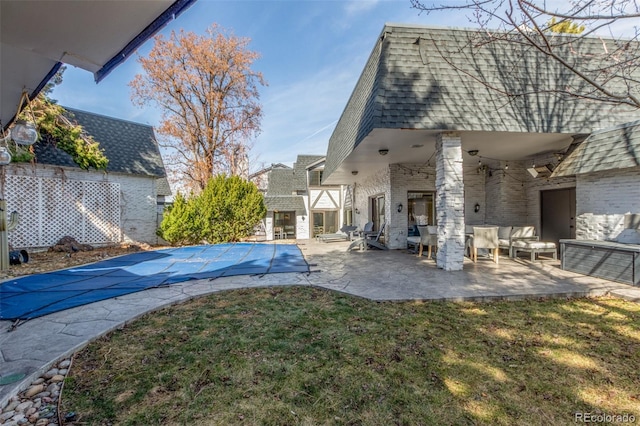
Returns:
<point x="450" y="202"/>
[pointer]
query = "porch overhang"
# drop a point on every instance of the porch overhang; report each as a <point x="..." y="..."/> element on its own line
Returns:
<point x="38" y="36"/>
<point x="418" y="146"/>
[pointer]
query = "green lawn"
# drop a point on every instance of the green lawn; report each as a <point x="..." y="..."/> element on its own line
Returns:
<point x="298" y="355"/>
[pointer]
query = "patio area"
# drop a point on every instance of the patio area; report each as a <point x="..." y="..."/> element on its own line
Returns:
<point x="401" y="275"/>
<point x="394" y="275"/>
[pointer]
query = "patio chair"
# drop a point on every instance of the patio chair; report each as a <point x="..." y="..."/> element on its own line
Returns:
<point x="368" y="228"/>
<point x="345" y="233"/>
<point x="484" y="238"/>
<point x="429" y="238"/>
<point x="369" y="239"/>
<point x="521" y="233"/>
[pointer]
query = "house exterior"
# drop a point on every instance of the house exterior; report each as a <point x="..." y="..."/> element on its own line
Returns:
<point x="55" y="198"/>
<point x="428" y="135"/>
<point x="261" y="177"/>
<point x="298" y="206"/>
<point x="606" y="168"/>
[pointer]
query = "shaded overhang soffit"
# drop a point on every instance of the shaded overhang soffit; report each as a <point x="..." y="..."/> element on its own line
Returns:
<point x="38" y="36"/>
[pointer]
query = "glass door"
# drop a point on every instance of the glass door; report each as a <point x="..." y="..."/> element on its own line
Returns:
<point x="377" y="211"/>
<point x="324" y="222"/>
<point x="284" y="225"/>
<point x="318" y="224"/>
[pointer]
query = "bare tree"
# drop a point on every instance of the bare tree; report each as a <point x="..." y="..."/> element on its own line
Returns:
<point x="607" y="71"/>
<point x="209" y="96"/>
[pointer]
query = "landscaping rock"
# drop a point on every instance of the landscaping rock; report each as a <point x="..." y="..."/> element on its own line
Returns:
<point x="34" y="390"/>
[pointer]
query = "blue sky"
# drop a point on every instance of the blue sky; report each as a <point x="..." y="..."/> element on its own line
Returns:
<point x="312" y="53"/>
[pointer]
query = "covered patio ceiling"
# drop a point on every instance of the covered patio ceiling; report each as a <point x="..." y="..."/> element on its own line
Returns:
<point x="37" y="36"/>
<point x="418" y="147"/>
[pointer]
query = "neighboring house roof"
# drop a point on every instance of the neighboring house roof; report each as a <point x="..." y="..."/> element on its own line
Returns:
<point x="438" y="79"/>
<point x="614" y="148"/>
<point x="284" y="203"/>
<point x="284" y="184"/>
<point x="268" y="169"/>
<point x="300" y="170"/>
<point x="281" y="182"/>
<point x="130" y="147"/>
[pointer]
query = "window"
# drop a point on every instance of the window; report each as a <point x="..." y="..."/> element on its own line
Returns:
<point x="421" y="208"/>
<point x="315" y="177"/>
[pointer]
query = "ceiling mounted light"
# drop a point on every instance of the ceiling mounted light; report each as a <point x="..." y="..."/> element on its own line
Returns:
<point x="383" y="151"/>
<point x="473" y="152"/>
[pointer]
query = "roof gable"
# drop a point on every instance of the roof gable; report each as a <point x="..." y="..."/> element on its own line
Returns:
<point x="614" y="148"/>
<point x="130" y="147"/>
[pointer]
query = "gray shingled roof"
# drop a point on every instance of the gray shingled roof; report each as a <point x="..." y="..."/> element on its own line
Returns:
<point x="284" y="203"/>
<point x="268" y="169"/>
<point x="130" y="147"/>
<point x="421" y="78"/>
<point x="281" y="182"/>
<point x="613" y="148"/>
<point x="163" y="187"/>
<point x="300" y="168"/>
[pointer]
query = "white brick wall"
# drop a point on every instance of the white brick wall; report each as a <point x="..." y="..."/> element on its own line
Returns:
<point x="536" y="185"/>
<point x="603" y="199"/>
<point x="474" y="192"/>
<point x="374" y="184"/>
<point x="138" y="202"/>
<point x="405" y="178"/>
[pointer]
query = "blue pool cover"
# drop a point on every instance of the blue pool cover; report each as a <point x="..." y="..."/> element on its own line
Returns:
<point x="36" y="295"/>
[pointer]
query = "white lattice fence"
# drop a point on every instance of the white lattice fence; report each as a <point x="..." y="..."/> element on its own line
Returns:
<point x="51" y="208"/>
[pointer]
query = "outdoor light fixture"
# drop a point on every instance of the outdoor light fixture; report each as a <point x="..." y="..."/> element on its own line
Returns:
<point x="25" y="133"/>
<point x="5" y="156"/>
<point x="383" y="151"/>
<point x="472" y="152"/>
<point x="476" y="208"/>
<point x="400" y="206"/>
<point x="354" y="172"/>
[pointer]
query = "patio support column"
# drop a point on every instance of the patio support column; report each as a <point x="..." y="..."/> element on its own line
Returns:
<point x="449" y="201"/>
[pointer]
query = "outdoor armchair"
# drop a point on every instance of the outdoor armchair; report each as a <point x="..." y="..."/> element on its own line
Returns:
<point x="428" y="238"/>
<point x="484" y="238"/>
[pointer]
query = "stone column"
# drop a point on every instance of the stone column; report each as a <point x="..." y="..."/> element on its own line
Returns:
<point x="449" y="201"/>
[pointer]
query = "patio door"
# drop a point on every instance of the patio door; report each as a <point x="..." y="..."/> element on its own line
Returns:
<point x="324" y="222"/>
<point x="377" y="211"/>
<point x="284" y="224"/>
<point x="558" y="214"/>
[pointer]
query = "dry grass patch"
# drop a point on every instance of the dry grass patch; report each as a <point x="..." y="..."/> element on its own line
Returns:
<point x="307" y="356"/>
